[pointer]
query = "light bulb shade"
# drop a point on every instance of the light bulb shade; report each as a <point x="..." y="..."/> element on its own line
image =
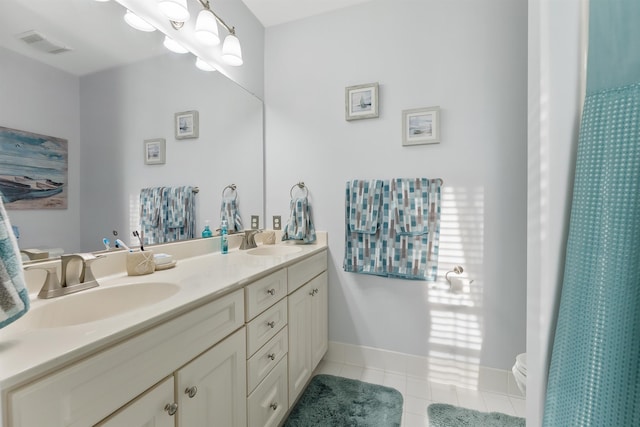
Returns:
<point x="207" y="28"/>
<point x="204" y="66"/>
<point x="231" y="51"/>
<point x="173" y="45"/>
<point x="175" y="10"/>
<point x="138" y="23"/>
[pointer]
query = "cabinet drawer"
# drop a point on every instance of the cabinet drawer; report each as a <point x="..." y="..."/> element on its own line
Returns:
<point x="265" y="292"/>
<point x="88" y="391"/>
<point x="264" y="327"/>
<point x="261" y="363"/>
<point x="268" y="404"/>
<point x="305" y="270"/>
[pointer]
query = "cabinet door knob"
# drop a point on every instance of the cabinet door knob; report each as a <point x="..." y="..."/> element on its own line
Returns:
<point x="271" y="292"/>
<point x="271" y="324"/>
<point x="272" y="356"/>
<point x="191" y="391"/>
<point x="171" y="408"/>
<point x="274" y="406"/>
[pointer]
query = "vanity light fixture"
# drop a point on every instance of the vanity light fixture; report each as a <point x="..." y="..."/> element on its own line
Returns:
<point x="138" y="23"/>
<point x="204" y="66"/>
<point x="173" y="45"/>
<point x="206" y="28"/>
<point x="175" y="10"/>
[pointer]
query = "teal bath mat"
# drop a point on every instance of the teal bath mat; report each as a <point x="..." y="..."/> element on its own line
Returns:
<point x="331" y="401"/>
<point x="443" y="415"/>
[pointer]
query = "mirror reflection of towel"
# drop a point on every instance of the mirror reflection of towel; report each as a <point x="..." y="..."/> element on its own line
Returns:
<point x="14" y="298"/>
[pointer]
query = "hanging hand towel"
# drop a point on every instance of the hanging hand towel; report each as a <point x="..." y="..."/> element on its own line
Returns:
<point x="14" y="298"/>
<point x="150" y="208"/>
<point x="300" y="225"/>
<point x="364" y="205"/>
<point x="364" y="227"/>
<point x="412" y="249"/>
<point x="178" y="219"/>
<point x="229" y="211"/>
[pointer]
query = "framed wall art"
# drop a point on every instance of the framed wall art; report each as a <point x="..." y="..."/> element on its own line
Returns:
<point x="33" y="170"/>
<point x="361" y="102"/>
<point x="186" y="124"/>
<point x="155" y="151"/>
<point x="421" y="126"/>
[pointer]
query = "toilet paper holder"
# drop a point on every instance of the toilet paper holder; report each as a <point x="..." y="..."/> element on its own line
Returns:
<point x="457" y="270"/>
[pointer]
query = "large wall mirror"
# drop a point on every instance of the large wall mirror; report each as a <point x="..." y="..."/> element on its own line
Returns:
<point x="113" y="90"/>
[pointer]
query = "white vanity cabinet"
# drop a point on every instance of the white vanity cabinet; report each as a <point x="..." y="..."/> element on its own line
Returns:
<point x="153" y="408"/>
<point x="88" y="391"/>
<point x="308" y="320"/>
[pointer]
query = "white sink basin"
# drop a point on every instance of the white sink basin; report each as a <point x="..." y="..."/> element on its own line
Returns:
<point x="269" y="250"/>
<point x="96" y="304"/>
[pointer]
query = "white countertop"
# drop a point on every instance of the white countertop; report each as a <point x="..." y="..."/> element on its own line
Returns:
<point x="27" y="353"/>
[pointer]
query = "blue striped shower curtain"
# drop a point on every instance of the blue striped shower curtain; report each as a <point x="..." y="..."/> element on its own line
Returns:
<point x="594" y="378"/>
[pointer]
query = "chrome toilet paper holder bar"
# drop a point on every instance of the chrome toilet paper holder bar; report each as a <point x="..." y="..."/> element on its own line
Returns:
<point x="457" y="270"/>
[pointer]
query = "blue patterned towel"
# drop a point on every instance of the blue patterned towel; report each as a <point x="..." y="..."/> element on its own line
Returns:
<point x="300" y="225"/>
<point x="364" y="205"/>
<point x="410" y="204"/>
<point x="405" y="241"/>
<point x="14" y="298"/>
<point x="167" y="214"/>
<point x="229" y="211"/>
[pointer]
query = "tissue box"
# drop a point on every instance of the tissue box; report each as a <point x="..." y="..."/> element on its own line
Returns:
<point x="139" y="263"/>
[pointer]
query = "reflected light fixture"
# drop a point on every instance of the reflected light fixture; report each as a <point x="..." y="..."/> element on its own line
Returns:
<point x="173" y="45"/>
<point x="138" y="23"/>
<point x="204" y="66"/>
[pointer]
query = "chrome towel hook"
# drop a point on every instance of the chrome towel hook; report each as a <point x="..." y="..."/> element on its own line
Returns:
<point x="232" y="188"/>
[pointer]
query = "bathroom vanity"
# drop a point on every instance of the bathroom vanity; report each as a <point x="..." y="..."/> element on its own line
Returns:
<point x="232" y="340"/>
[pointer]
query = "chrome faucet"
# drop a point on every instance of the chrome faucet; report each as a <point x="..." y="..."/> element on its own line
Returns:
<point x="75" y="275"/>
<point x="249" y="239"/>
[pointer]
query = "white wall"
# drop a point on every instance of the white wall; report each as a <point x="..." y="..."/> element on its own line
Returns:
<point x="124" y="106"/>
<point x="557" y="49"/>
<point x="469" y="58"/>
<point x="41" y="99"/>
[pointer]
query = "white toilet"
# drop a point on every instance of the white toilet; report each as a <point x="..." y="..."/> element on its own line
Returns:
<point x="520" y="372"/>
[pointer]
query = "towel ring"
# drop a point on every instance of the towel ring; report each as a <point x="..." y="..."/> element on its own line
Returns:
<point x="231" y="187"/>
<point x="300" y="185"/>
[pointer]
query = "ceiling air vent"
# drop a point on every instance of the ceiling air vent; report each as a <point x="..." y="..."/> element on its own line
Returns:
<point x="41" y="43"/>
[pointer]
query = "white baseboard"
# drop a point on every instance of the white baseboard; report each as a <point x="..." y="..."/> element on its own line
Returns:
<point x="452" y="370"/>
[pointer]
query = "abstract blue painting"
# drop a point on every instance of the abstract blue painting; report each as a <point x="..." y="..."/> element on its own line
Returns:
<point x="33" y="170"/>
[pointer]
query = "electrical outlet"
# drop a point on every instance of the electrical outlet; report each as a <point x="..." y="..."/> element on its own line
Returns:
<point x="277" y="222"/>
<point x="255" y="222"/>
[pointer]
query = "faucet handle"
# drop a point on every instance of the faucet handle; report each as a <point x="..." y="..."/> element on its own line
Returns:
<point x="51" y="281"/>
<point x="87" y="273"/>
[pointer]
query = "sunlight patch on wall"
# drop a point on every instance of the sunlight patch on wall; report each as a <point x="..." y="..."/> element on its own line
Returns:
<point x="455" y="338"/>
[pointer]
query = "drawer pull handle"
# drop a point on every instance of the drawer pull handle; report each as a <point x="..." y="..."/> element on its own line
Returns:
<point x="313" y="292"/>
<point x="272" y="356"/>
<point x="191" y="391"/>
<point x="171" y="408"/>
<point x="271" y="324"/>
<point x="274" y="406"/>
<point x="271" y="292"/>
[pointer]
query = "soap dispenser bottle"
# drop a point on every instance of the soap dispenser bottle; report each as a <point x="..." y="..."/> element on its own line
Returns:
<point x="207" y="230"/>
<point x="224" y="240"/>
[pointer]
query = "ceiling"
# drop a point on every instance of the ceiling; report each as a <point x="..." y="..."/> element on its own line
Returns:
<point x="99" y="39"/>
<point x="274" y="12"/>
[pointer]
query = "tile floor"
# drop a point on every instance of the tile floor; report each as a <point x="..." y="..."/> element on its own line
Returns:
<point x="418" y="393"/>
